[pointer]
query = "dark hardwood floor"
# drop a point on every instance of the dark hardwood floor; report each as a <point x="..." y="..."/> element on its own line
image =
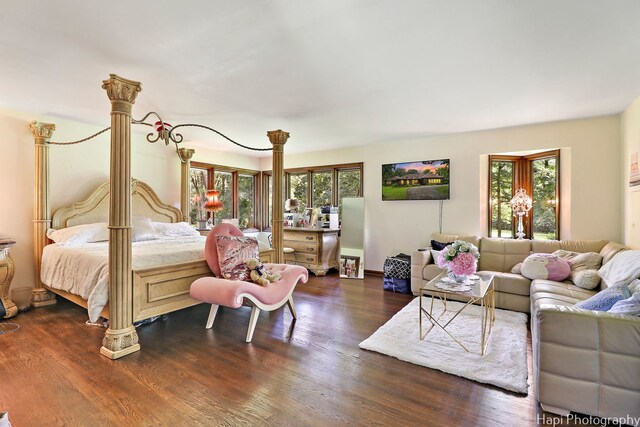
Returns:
<point x="308" y="373"/>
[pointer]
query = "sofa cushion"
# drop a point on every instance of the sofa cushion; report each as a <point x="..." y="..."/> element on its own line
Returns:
<point x="610" y="250"/>
<point x="453" y="237"/>
<point x="549" y="246"/>
<point x="556" y="293"/>
<point x="605" y="299"/>
<point x="502" y="254"/>
<point x="622" y="269"/>
<point x="438" y="246"/>
<point x="585" y="279"/>
<point x="430" y="271"/>
<point x="510" y="283"/>
<point x="560" y="288"/>
<point x="545" y="266"/>
<point x="629" y="306"/>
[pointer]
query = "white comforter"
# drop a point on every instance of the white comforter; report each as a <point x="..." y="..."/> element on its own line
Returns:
<point x="84" y="270"/>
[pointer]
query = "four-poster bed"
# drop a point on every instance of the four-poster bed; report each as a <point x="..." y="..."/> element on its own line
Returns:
<point x="139" y="294"/>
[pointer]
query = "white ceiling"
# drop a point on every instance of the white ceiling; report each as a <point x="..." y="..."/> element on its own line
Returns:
<point x="334" y="73"/>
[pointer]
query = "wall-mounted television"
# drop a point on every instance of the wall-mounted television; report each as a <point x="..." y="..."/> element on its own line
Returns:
<point x="423" y="180"/>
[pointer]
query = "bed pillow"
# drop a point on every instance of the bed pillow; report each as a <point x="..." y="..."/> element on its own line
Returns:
<point x="623" y="268"/>
<point x="143" y="230"/>
<point x="438" y="246"/>
<point x="545" y="266"/>
<point x="605" y="299"/>
<point x="233" y="251"/>
<point x="79" y="234"/>
<point x="175" y="229"/>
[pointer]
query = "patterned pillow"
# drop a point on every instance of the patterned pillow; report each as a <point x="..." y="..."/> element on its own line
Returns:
<point x="545" y="266"/>
<point x="233" y="251"/>
<point x="605" y="299"/>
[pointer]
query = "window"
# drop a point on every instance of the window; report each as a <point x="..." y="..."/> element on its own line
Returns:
<point x="246" y="201"/>
<point x="237" y="192"/>
<point x="348" y="183"/>
<point x="501" y="193"/>
<point x="223" y="182"/>
<point x="322" y="188"/>
<point x="297" y="185"/>
<point x="539" y="175"/>
<point x="198" y="187"/>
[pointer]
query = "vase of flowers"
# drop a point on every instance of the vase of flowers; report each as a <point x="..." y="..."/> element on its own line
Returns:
<point x="461" y="260"/>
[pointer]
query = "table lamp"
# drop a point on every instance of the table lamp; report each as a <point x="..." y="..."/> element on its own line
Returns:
<point x="521" y="204"/>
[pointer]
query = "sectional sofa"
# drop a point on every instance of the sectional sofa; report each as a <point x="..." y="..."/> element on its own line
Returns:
<point x="583" y="361"/>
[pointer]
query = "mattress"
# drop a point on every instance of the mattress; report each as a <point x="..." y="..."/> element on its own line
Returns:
<point x="84" y="270"/>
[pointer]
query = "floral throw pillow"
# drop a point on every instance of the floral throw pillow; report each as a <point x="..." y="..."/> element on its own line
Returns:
<point x="233" y="251"/>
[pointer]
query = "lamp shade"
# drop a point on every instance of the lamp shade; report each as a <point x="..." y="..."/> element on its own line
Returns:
<point x="521" y="203"/>
<point x="291" y="205"/>
<point x="213" y="203"/>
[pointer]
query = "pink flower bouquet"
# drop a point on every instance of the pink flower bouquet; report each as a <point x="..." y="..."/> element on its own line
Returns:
<point x="460" y="258"/>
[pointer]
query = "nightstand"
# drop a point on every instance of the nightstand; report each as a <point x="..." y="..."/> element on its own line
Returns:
<point x="6" y="275"/>
<point x="203" y="231"/>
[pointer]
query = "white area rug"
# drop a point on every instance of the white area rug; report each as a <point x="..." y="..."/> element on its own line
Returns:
<point x="503" y="365"/>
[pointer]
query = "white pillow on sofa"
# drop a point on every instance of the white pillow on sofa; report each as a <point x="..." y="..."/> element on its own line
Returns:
<point x="435" y="254"/>
<point x="623" y="268"/>
<point x="79" y="234"/>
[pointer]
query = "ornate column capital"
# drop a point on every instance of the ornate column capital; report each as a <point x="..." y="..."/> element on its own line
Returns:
<point x="121" y="89"/>
<point x="186" y="154"/>
<point x="278" y="137"/>
<point x="42" y="130"/>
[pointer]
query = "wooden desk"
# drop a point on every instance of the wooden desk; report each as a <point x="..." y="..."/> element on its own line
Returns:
<point x="316" y="249"/>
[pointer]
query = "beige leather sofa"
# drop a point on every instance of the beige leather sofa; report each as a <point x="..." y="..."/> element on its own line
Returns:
<point x="583" y="361"/>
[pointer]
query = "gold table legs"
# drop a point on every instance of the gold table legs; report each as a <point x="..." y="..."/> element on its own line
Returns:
<point x="487" y="305"/>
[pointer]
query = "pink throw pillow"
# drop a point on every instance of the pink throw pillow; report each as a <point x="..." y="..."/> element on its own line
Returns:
<point x="233" y="251"/>
<point x="545" y="266"/>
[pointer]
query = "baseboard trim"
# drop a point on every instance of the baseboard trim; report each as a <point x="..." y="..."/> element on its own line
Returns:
<point x="374" y="273"/>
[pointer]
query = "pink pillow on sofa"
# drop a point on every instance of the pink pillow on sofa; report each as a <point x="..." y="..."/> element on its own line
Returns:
<point x="545" y="266"/>
<point x="233" y="252"/>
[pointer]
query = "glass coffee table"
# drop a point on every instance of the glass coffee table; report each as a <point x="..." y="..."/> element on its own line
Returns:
<point x="479" y="290"/>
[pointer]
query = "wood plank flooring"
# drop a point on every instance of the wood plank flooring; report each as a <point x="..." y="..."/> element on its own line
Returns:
<point x="308" y="373"/>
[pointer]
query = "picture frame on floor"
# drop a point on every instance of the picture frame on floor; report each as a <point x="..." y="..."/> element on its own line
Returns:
<point x="349" y="266"/>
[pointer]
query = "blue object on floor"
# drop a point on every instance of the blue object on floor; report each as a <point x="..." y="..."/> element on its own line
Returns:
<point x="395" y="284"/>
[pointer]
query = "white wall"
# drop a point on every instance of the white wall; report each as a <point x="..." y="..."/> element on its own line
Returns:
<point x="590" y="168"/>
<point x="631" y="144"/>
<point x="75" y="171"/>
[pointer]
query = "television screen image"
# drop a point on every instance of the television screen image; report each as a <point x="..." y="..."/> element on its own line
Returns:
<point x="425" y="180"/>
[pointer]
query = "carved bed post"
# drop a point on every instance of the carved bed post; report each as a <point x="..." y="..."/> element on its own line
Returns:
<point x="185" y="155"/>
<point x="41" y="209"/>
<point x="121" y="337"/>
<point x="278" y="138"/>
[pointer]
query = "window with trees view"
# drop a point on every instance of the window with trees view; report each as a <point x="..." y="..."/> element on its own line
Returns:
<point x="297" y="188"/>
<point x="322" y="188"/>
<point x="317" y="186"/>
<point x="539" y="175"/>
<point x="237" y="189"/>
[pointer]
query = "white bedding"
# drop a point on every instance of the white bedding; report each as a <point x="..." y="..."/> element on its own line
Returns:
<point x="84" y="270"/>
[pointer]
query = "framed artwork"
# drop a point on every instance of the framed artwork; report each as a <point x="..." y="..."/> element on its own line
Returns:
<point x="634" y="172"/>
<point x="349" y="266"/>
<point x="422" y="180"/>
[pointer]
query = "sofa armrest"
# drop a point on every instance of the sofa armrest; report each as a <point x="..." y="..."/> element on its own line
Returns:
<point x="586" y="361"/>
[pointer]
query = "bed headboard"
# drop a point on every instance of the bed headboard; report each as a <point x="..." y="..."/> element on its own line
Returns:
<point x="144" y="203"/>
